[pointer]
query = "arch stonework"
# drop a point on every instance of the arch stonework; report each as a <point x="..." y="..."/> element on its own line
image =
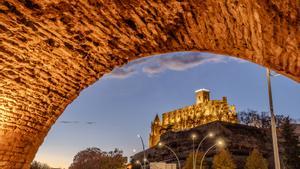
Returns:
<point x="51" y="50"/>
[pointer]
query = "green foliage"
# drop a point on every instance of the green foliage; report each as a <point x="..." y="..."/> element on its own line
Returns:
<point x="189" y="161"/>
<point x="291" y="156"/>
<point x="223" y="160"/>
<point x="39" y="165"/>
<point x="94" y="158"/>
<point x="256" y="161"/>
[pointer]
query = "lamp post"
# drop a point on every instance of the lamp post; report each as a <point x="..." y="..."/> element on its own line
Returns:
<point x="209" y="135"/>
<point x="218" y="143"/>
<point x="139" y="163"/>
<point x="194" y="137"/>
<point x="142" y="141"/>
<point x="273" y="123"/>
<point x="160" y="144"/>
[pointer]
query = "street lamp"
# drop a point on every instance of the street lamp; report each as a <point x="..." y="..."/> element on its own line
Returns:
<point x="160" y="144"/>
<point x="142" y="141"/>
<point x="218" y="143"/>
<point x="194" y="137"/>
<point x="209" y="135"/>
<point x="273" y="123"/>
<point x="139" y="163"/>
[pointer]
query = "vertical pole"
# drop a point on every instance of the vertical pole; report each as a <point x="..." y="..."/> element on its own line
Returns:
<point x="193" y="153"/>
<point x="144" y="160"/>
<point x="273" y="123"/>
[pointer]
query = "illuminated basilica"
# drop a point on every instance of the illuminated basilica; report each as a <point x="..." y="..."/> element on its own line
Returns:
<point x="204" y="111"/>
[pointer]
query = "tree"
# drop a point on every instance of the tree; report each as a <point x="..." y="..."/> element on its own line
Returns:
<point x="39" y="165"/>
<point x="94" y="158"/>
<point x="256" y="161"/>
<point x="223" y="160"/>
<point x="290" y="145"/>
<point x="250" y="118"/>
<point x="189" y="161"/>
<point x="262" y="120"/>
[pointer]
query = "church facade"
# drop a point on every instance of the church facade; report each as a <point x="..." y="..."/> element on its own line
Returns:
<point x="202" y="112"/>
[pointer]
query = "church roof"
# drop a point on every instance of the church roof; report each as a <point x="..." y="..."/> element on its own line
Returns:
<point x="156" y="118"/>
<point x="200" y="90"/>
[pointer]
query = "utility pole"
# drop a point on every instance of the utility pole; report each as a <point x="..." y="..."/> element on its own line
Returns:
<point x="273" y="123"/>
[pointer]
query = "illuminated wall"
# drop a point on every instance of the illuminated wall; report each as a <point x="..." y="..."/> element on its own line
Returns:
<point x="204" y="111"/>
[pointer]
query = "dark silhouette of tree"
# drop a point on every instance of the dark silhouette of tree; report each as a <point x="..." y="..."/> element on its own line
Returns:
<point x="94" y="158"/>
<point x="189" y="161"/>
<point x="260" y="120"/>
<point x="256" y="161"/>
<point x="39" y="165"/>
<point x="250" y="118"/>
<point x="223" y="160"/>
<point x="290" y="145"/>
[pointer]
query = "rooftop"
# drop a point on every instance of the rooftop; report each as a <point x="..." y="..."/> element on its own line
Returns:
<point x="200" y="90"/>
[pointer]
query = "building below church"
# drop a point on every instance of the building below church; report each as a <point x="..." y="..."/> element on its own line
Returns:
<point x="202" y="112"/>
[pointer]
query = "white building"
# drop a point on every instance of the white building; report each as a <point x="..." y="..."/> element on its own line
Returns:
<point x="162" y="165"/>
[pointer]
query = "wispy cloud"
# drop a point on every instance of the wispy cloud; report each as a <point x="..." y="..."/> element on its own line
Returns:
<point x="90" y="122"/>
<point x="177" y="61"/>
<point x="76" y="122"/>
<point x="180" y="61"/>
<point x="69" y="122"/>
<point x="153" y="69"/>
<point x="122" y="73"/>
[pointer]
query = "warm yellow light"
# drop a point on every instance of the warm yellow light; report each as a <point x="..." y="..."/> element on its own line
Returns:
<point x="211" y="134"/>
<point x="160" y="144"/>
<point x="220" y="143"/>
<point x="194" y="136"/>
<point x="138" y="162"/>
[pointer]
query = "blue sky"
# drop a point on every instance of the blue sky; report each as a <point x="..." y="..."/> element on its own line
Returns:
<point x="110" y="113"/>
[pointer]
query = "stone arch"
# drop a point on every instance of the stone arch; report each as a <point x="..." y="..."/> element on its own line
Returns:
<point x="51" y="50"/>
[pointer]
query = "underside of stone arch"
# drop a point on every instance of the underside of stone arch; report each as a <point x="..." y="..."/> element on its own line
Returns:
<point x="50" y="50"/>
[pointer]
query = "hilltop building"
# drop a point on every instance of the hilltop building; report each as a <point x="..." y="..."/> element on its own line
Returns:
<point x="202" y="112"/>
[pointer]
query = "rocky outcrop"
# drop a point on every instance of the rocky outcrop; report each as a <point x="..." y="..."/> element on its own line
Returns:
<point x="50" y="50"/>
<point x="239" y="139"/>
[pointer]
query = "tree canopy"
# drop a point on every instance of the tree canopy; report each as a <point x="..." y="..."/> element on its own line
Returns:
<point x="260" y="120"/>
<point x="256" y="161"/>
<point x="39" y="165"/>
<point x="94" y="158"/>
<point x="223" y="160"/>
<point x="189" y="161"/>
<point x="291" y="155"/>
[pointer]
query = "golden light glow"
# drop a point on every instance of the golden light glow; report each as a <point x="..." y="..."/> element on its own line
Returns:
<point x="220" y="143"/>
<point x="194" y="136"/>
<point x="204" y="111"/>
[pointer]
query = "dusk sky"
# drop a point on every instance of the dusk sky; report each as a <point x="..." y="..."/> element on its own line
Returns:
<point x="110" y="113"/>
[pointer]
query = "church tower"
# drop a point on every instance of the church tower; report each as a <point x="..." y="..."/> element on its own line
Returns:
<point x="202" y="96"/>
<point x="155" y="131"/>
